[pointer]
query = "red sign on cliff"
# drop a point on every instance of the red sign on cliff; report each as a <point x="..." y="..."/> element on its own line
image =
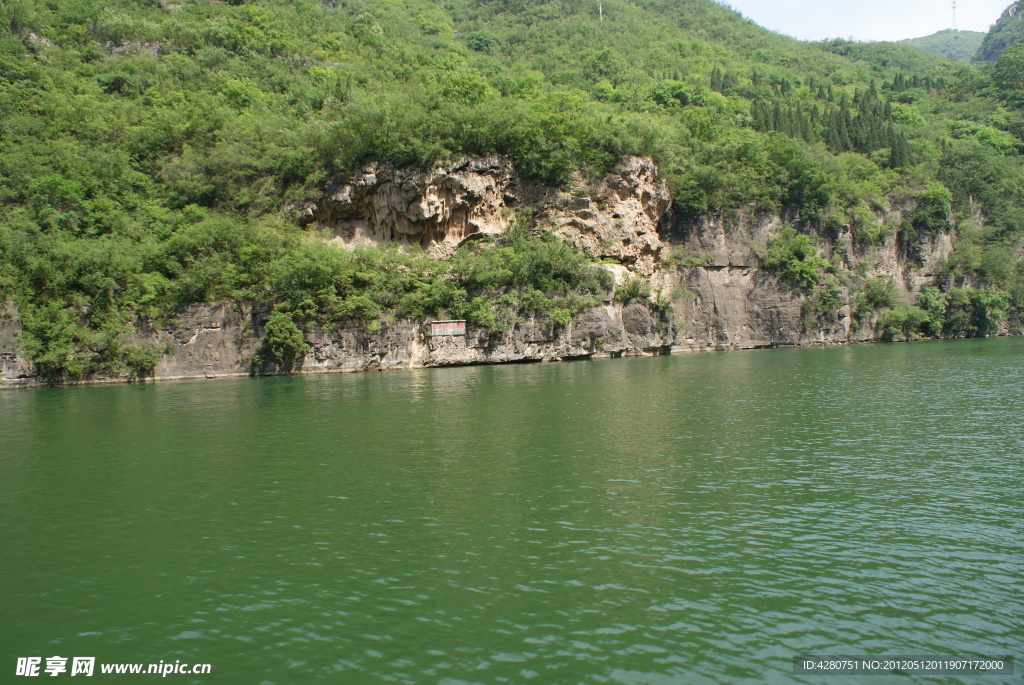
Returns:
<point x="441" y="328"/>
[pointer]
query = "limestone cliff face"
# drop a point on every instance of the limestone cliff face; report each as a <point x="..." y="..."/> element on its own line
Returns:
<point x="617" y="220"/>
<point x="14" y="366"/>
<point x="216" y="340"/>
<point x="728" y="302"/>
<point x="708" y="269"/>
<point x="449" y="205"/>
<point x="437" y="210"/>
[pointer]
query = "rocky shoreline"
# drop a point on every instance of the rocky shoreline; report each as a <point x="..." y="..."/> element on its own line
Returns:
<point x="211" y="342"/>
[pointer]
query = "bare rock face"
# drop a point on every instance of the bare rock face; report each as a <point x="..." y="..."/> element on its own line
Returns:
<point x="216" y="341"/>
<point x="446" y="206"/>
<point x="731" y="241"/>
<point x="736" y="307"/>
<point x="611" y="330"/>
<point x="620" y="219"/>
<point x="394" y="345"/>
<point x="15" y="369"/>
<point x="723" y="300"/>
<point x="208" y="340"/>
<point x="133" y="47"/>
<point x="437" y="210"/>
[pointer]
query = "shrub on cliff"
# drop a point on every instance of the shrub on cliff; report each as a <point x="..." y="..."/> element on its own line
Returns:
<point x="56" y="342"/>
<point x="907" y="319"/>
<point x="932" y="214"/>
<point x="933" y="301"/>
<point x="524" y="273"/>
<point x="955" y="312"/>
<point x="879" y="292"/>
<point x="490" y="283"/>
<point x="283" y="342"/>
<point x="794" y="259"/>
<point x="823" y="302"/>
<point x="63" y="348"/>
<point x="974" y="312"/>
<point x="632" y="290"/>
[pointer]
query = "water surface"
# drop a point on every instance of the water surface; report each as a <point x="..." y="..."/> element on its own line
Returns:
<point x="694" y="519"/>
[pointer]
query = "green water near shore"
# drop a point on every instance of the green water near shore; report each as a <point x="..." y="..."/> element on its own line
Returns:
<point x="694" y="519"/>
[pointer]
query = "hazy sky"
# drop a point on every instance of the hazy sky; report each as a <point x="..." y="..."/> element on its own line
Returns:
<point x="868" y="19"/>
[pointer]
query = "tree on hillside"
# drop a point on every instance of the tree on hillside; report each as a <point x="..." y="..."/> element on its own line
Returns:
<point x="1009" y="74"/>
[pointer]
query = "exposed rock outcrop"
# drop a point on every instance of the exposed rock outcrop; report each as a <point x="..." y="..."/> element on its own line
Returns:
<point x="441" y="209"/>
<point x="214" y="341"/>
<point x="728" y="302"/>
<point x="437" y="210"/>
<point x="619" y="220"/>
<point x="15" y="367"/>
<point x="133" y="47"/>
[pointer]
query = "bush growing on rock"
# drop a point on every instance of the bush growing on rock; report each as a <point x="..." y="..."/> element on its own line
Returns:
<point x="879" y="292"/>
<point x="283" y="342"/>
<point x="794" y="259"/>
<point x="907" y="319"/>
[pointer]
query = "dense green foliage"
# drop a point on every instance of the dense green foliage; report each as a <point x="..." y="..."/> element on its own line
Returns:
<point x="796" y="261"/>
<point x="491" y="284"/>
<point x="149" y="152"/>
<point x="794" y="258"/>
<point x="879" y="292"/>
<point x="950" y="43"/>
<point x="1003" y="33"/>
<point x="956" y="312"/>
<point x="283" y="341"/>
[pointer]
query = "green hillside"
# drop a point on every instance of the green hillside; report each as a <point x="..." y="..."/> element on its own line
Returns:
<point x="1003" y="33"/>
<point x="951" y="44"/>
<point x="150" y="151"/>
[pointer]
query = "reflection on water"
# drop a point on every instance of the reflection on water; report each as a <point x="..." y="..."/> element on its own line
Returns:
<point x="689" y="519"/>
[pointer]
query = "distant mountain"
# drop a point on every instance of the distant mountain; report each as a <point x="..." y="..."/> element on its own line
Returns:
<point x="950" y="43"/>
<point x="1003" y="33"/>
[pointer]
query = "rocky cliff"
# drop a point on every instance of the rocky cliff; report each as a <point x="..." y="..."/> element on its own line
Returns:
<point x="443" y="208"/>
<point x="708" y="289"/>
<point x="729" y="302"/>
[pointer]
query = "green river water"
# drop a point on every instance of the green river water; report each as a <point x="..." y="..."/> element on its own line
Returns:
<point x="690" y="519"/>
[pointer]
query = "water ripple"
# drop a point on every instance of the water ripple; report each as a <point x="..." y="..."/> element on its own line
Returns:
<point x="686" y="520"/>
